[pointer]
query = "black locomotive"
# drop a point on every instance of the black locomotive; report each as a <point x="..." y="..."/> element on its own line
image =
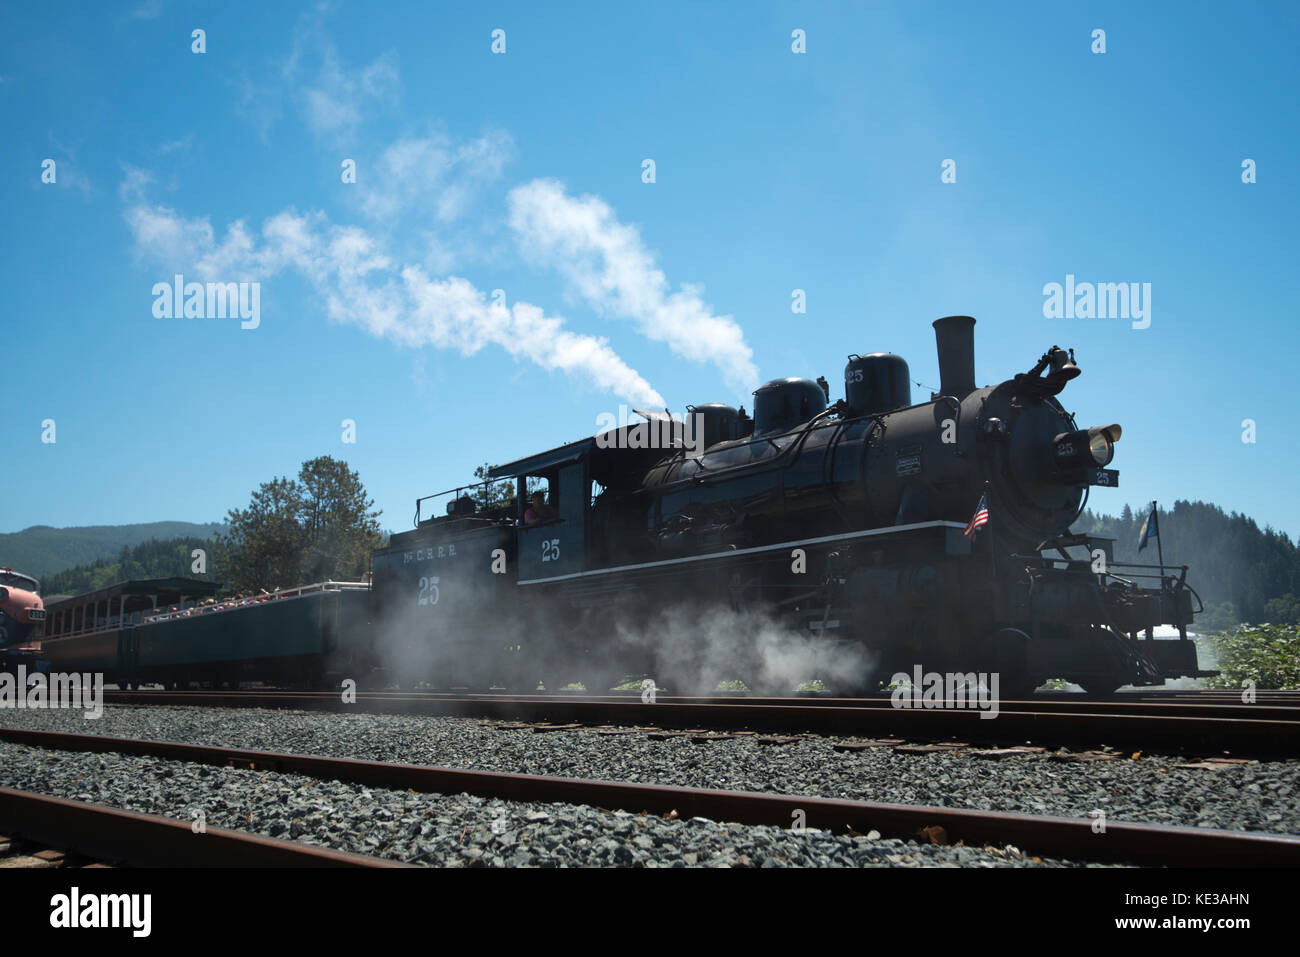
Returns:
<point x="816" y="539"/>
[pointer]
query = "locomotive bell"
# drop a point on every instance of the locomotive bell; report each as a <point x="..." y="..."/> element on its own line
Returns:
<point x="1063" y="369"/>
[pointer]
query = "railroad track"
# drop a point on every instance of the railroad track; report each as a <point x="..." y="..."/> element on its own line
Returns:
<point x="147" y="840"/>
<point x="1074" y="839"/>
<point x="17" y="852"/>
<point x="1262" y="730"/>
<point x="1281" y="705"/>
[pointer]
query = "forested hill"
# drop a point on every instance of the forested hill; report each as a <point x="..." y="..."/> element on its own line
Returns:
<point x="172" y="558"/>
<point x="1247" y="573"/>
<point x="42" y="550"/>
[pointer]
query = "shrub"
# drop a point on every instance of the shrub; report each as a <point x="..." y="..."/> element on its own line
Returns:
<point x="1268" y="655"/>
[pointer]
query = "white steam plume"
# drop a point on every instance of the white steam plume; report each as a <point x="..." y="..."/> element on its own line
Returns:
<point x="361" y="284"/>
<point x="607" y="265"/>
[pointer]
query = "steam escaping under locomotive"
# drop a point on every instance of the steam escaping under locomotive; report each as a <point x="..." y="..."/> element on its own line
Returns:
<point x="827" y="537"/>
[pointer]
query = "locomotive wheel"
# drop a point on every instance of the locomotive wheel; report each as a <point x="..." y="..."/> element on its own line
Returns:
<point x="1010" y="647"/>
<point x="1105" y="683"/>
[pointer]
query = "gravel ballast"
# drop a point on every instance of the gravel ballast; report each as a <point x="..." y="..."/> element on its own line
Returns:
<point x="455" y="830"/>
<point x="1254" y="796"/>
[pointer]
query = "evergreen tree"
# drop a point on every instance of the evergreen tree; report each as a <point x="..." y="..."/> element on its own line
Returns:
<point x="1242" y="572"/>
<point x="265" y="544"/>
<point x="294" y="532"/>
<point x="169" y="558"/>
<point x="339" y="528"/>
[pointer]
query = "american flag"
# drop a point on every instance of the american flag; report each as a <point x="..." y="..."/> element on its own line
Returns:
<point x="979" y="519"/>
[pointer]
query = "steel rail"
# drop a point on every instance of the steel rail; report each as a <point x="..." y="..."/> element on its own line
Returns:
<point x="1262" y="734"/>
<point x="148" y="840"/>
<point x="1069" y="838"/>
<point x="1281" y="710"/>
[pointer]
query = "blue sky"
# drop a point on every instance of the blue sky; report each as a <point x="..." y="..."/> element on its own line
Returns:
<point x="522" y="171"/>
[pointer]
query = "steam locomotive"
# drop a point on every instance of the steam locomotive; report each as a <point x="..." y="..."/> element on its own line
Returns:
<point x="815" y="540"/>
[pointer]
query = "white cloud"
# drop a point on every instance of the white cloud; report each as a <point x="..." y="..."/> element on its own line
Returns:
<point x="184" y="143"/>
<point x="606" y="264"/>
<point x="70" y="176"/>
<point x="361" y="284"/>
<point x="416" y="174"/>
<point x="148" y="10"/>
<point x="68" y="173"/>
<point x="336" y="99"/>
<point x="333" y="98"/>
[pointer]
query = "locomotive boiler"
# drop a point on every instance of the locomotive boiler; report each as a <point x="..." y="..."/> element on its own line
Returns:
<point x="873" y="459"/>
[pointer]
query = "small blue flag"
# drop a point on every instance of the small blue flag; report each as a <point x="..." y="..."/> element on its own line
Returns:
<point x="1150" y="529"/>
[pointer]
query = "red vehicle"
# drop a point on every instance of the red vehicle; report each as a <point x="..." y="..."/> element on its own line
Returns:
<point x="22" y="613"/>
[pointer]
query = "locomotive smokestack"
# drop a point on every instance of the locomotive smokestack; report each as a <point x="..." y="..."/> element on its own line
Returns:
<point x="955" y="338"/>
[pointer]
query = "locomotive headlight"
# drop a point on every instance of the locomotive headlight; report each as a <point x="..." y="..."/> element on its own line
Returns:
<point x="1101" y="443"/>
<point x="1101" y="448"/>
<point x="1087" y="448"/>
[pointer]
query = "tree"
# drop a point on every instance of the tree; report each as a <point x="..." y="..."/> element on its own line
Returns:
<point x="152" y="559"/>
<point x="339" y="529"/>
<point x="1284" y="610"/>
<point x="293" y="532"/>
<point x="493" y="494"/>
<point x="1268" y="655"/>
<point x="1235" y="566"/>
<point x="264" y="546"/>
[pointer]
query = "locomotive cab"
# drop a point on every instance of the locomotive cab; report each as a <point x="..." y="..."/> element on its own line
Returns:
<point x="591" y="485"/>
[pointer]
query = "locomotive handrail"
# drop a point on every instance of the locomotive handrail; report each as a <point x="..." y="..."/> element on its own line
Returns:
<point x="419" y="502"/>
<point x="1045" y="558"/>
<point x="733" y="552"/>
<point x="1132" y="569"/>
<point x="763" y="464"/>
